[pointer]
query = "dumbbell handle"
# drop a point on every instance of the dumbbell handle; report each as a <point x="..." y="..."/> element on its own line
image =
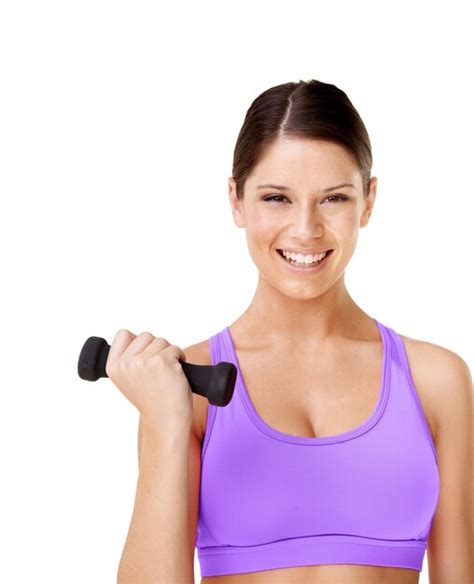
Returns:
<point x="216" y="382"/>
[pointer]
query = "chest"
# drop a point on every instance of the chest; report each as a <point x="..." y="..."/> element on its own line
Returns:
<point x="313" y="394"/>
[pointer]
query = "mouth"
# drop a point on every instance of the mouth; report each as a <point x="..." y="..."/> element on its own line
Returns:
<point x="303" y="267"/>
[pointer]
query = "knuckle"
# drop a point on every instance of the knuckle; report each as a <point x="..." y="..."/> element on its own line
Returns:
<point x="145" y="334"/>
<point x="119" y="365"/>
<point x="173" y="349"/>
<point x="165" y="352"/>
<point x="158" y="357"/>
<point x="121" y="334"/>
<point x="161" y="344"/>
<point x="139" y="361"/>
<point x="123" y="331"/>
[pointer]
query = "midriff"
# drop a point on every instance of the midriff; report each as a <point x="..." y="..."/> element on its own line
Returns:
<point x="329" y="574"/>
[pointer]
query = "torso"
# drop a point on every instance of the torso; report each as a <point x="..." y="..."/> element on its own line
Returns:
<point x="346" y="391"/>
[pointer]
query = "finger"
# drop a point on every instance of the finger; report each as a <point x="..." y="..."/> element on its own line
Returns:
<point x="174" y="352"/>
<point x="157" y="345"/>
<point x="139" y="343"/>
<point x="120" y="342"/>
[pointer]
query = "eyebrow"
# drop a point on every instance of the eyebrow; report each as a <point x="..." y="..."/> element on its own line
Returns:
<point x="282" y="188"/>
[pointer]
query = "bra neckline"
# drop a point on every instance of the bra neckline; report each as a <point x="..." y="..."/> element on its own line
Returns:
<point x="319" y="440"/>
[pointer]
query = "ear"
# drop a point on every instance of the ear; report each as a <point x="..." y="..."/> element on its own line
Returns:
<point x="369" y="201"/>
<point x="236" y="204"/>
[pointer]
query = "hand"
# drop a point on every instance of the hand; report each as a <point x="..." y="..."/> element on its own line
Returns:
<point x="147" y="371"/>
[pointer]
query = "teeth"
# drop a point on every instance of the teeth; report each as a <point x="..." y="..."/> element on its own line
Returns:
<point x="304" y="259"/>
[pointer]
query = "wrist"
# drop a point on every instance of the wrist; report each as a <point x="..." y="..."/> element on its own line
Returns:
<point x="154" y="427"/>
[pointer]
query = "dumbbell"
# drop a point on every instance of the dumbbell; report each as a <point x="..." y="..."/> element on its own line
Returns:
<point x="216" y="382"/>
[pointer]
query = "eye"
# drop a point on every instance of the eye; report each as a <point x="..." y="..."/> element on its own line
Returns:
<point x="273" y="197"/>
<point x="339" y="197"/>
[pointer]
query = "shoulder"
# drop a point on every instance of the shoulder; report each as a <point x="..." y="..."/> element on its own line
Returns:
<point x="199" y="354"/>
<point x="440" y="376"/>
<point x="444" y="376"/>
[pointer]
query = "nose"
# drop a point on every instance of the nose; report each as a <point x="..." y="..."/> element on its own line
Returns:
<point x="308" y="224"/>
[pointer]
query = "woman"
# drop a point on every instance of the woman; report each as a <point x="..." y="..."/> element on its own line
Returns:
<point x="328" y="465"/>
<point x="344" y="453"/>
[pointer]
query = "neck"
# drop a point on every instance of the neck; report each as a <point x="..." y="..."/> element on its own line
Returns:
<point x="297" y="320"/>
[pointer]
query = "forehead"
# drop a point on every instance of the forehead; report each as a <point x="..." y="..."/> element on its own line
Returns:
<point x="296" y="161"/>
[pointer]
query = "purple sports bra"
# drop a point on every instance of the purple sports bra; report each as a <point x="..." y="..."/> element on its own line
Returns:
<point x="272" y="500"/>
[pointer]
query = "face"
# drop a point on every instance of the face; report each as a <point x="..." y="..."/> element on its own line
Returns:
<point x="309" y="214"/>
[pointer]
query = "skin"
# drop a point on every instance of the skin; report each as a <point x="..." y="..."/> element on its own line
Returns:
<point x="296" y="314"/>
<point x="301" y="310"/>
<point x="290" y="317"/>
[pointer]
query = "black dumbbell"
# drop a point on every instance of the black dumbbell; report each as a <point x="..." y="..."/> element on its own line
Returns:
<point x="216" y="382"/>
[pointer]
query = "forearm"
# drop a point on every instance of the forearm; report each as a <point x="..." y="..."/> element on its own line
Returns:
<point x="156" y="549"/>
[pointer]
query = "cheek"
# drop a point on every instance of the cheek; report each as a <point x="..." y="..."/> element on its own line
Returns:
<point x="344" y="225"/>
<point x="262" y="226"/>
<point x="347" y="231"/>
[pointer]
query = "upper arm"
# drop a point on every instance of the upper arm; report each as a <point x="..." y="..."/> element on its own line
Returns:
<point x="195" y="445"/>
<point x="450" y="542"/>
<point x="197" y="354"/>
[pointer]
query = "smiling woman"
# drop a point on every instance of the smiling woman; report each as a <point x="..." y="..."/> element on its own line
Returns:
<point x="306" y="475"/>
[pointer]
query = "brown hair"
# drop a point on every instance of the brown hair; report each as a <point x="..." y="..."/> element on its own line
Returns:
<point x="307" y="109"/>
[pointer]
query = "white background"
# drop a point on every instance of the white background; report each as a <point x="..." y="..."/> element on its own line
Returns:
<point x="118" y="123"/>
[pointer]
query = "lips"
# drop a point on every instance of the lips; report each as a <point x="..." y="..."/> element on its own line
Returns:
<point x="303" y="252"/>
<point x="327" y="251"/>
<point x="306" y="269"/>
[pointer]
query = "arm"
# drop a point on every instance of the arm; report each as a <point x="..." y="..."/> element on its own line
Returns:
<point x="157" y="545"/>
<point x="450" y="544"/>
